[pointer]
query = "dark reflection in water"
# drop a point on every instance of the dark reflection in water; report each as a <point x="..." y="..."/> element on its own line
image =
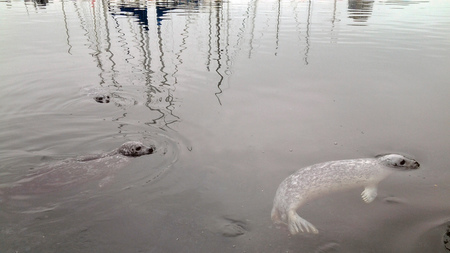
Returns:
<point x="165" y="7"/>
<point x="360" y="10"/>
<point x="139" y="12"/>
<point x="117" y="46"/>
<point x="41" y="2"/>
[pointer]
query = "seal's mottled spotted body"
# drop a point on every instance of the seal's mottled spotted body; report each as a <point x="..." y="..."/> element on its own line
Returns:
<point x="320" y="179"/>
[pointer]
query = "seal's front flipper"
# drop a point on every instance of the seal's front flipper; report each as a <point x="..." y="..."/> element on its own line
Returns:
<point x="369" y="194"/>
<point x="105" y="181"/>
<point x="297" y="224"/>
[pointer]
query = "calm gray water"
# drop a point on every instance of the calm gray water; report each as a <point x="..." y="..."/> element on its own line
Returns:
<point x="236" y="96"/>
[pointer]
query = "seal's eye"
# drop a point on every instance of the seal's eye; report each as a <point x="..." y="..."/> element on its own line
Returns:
<point x="138" y="148"/>
<point x="402" y="162"/>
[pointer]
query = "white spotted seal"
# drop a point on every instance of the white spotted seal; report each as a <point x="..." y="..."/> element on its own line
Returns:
<point x="319" y="179"/>
<point x="72" y="171"/>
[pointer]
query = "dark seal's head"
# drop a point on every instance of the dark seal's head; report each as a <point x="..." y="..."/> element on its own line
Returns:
<point x="102" y="98"/>
<point x="398" y="162"/>
<point x="135" y="148"/>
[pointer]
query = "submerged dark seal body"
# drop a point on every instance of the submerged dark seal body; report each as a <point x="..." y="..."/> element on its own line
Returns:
<point x="78" y="170"/>
<point x="320" y="179"/>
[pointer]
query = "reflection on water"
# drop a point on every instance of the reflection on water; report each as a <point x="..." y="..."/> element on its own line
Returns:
<point x="360" y="10"/>
<point x="148" y="50"/>
<point x="42" y="3"/>
<point x="137" y="38"/>
<point x="399" y="3"/>
<point x="236" y="95"/>
<point x="140" y="12"/>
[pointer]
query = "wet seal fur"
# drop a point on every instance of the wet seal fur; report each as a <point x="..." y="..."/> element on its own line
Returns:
<point x="446" y="238"/>
<point x="323" y="178"/>
<point x="72" y="171"/>
<point x="102" y="99"/>
<point x="99" y="94"/>
<point x="135" y="148"/>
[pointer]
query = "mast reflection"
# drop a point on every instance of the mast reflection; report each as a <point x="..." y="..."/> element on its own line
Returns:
<point x="153" y="44"/>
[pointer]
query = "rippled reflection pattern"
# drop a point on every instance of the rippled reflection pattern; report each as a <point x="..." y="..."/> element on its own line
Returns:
<point x="235" y="96"/>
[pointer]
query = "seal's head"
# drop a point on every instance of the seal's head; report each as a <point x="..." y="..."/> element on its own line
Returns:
<point x="102" y="98"/>
<point x="135" y="148"/>
<point x="398" y="162"/>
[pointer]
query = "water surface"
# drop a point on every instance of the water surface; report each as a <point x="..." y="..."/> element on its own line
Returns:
<point x="236" y="95"/>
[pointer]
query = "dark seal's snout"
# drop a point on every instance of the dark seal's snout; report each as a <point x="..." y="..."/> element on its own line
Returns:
<point x="416" y="165"/>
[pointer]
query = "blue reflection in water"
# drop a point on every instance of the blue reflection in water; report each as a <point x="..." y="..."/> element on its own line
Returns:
<point x="139" y="13"/>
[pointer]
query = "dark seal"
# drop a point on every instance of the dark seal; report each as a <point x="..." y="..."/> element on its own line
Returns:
<point x="74" y="171"/>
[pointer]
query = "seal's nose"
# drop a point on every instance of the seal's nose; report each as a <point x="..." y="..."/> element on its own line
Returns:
<point x="416" y="164"/>
<point x="150" y="150"/>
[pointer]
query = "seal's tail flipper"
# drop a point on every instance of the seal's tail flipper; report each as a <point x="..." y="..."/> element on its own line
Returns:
<point x="297" y="224"/>
<point x="369" y="194"/>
